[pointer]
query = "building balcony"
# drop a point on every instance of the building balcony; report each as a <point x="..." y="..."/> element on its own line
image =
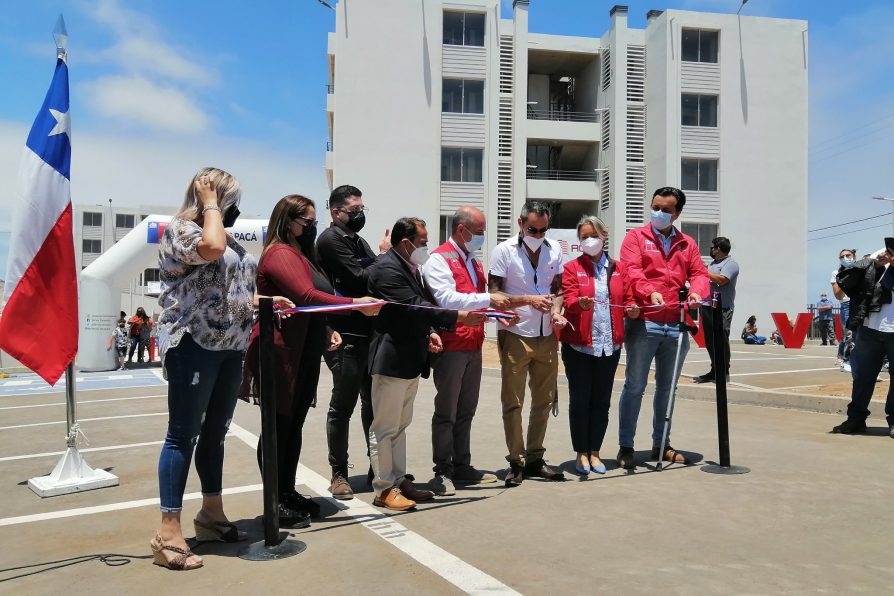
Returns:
<point x="561" y="185"/>
<point x="330" y="98"/>
<point x="563" y="126"/>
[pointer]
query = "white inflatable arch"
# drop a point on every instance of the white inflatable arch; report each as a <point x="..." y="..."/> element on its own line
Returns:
<point x="99" y="295"/>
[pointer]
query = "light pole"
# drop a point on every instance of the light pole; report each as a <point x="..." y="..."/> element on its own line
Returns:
<point x="891" y="200"/>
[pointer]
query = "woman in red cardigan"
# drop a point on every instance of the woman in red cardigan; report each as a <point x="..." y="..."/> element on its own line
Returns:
<point x="591" y="343"/>
<point x="288" y="267"/>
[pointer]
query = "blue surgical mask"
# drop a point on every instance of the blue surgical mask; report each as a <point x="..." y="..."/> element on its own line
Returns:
<point x="660" y="219"/>
<point x="475" y="243"/>
<point x="845" y="262"/>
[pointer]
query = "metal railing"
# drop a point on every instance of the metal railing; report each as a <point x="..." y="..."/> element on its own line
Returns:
<point x="539" y="174"/>
<point x="562" y="115"/>
<point x="329" y="145"/>
<point x="330" y="88"/>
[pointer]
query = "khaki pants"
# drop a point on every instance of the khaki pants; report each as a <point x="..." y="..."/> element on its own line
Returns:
<point x="392" y="405"/>
<point x="535" y="359"/>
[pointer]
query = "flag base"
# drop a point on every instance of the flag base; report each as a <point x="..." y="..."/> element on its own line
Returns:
<point x="71" y="475"/>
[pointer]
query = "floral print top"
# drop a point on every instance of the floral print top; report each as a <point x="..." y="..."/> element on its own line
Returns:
<point x="210" y="300"/>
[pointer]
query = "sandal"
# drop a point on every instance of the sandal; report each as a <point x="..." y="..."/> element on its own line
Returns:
<point x="178" y="563"/>
<point x="218" y="531"/>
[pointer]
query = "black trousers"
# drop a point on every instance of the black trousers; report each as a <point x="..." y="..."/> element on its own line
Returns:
<point x="707" y="323"/>
<point x="350" y="378"/>
<point x="590" y="382"/>
<point x="289" y="427"/>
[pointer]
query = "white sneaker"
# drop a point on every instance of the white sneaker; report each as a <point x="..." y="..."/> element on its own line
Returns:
<point x="845" y="367"/>
<point x="442" y="486"/>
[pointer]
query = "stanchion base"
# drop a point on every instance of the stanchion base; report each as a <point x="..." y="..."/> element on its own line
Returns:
<point x="71" y="475"/>
<point x="259" y="551"/>
<point x="718" y="469"/>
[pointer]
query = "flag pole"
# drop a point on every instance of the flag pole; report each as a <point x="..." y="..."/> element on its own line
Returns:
<point x="72" y="473"/>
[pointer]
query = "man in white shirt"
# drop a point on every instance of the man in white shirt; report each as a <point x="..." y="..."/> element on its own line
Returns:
<point x="455" y="278"/>
<point x="529" y="266"/>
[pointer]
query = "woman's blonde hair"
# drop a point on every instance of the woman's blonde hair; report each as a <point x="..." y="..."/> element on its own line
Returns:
<point x="229" y="193"/>
<point x="592" y="220"/>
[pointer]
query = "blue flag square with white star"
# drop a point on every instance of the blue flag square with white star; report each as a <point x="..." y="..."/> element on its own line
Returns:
<point x="50" y="135"/>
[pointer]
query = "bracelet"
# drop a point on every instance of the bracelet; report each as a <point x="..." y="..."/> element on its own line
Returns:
<point x="210" y="208"/>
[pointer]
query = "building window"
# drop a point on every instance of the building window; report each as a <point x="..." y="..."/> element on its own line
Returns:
<point x="445" y="228"/>
<point x="93" y="247"/>
<point x="123" y="220"/>
<point x="464" y="28"/>
<point x="699" y="174"/>
<point x="463" y="97"/>
<point x="151" y="275"/>
<point x="92" y="219"/>
<point x="461" y="165"/>
<point x="703" y="233"/>
<point x="699" y="110"/>
<point x="699" y="45"/>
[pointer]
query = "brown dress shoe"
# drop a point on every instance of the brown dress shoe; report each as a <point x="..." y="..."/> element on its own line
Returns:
<point x="413" y="493"/>
<point x="670" y="455"/>
<point x="339" y="486"/>
<point x="392" y="499"/>
<point x="516" y="474"/>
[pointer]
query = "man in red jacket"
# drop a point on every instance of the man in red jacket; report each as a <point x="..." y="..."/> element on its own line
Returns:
<point x="660" y="260"/>
<point x="456" y="280"/>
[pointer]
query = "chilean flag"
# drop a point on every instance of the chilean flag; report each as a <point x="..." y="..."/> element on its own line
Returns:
<point x="39" y="324"/>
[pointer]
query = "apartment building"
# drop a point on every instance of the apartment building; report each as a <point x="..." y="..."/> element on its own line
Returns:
<point x="435" y="104"/>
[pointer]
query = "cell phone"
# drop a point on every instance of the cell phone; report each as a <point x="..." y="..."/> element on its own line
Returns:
<point x="889" y="245"/>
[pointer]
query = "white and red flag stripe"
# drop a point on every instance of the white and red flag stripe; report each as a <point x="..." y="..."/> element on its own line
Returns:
<point x="39" y="324"/>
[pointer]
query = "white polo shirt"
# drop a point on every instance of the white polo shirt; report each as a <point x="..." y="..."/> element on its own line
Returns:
<point x="510" y="261"/>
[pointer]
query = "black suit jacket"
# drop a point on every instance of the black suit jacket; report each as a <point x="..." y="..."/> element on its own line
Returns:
<point x="399" y="346"/>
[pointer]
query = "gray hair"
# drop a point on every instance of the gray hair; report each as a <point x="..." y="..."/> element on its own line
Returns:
<point x="464" y="215"/>
<point x="592" y="220"/>
<point x="229" y="193"/>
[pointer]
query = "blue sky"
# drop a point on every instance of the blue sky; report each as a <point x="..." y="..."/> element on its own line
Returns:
<point x="161" y="87"/>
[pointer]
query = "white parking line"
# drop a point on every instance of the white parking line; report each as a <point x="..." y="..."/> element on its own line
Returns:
<point x="37" y="517"/>
<point x="60" y="389"/>
<point x="82" y="420"/>
<point x="464" y="576"/>
<point x="80" y="403"/>
<point x="88" y="450"/>
<point x="784" y="372"/>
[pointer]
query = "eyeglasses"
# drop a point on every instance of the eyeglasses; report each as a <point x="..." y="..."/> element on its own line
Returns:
<point x="357" y="210"/>
<point x="533" y="230"/>
<point x="306" y="221"/>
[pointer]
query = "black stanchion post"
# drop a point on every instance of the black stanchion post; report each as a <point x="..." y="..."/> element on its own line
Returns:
<point x="273" y="546"/>
<point x="720" y="367"/>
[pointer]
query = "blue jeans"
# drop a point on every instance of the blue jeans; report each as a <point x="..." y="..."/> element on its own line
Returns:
<point x="867" y="358"/>
<point x="646" y="341"/>
<point x="845" y="312"/>
<point x="202" y="389"/>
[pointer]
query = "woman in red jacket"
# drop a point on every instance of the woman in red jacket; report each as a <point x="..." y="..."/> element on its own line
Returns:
<point x="594" y="287"/>
<point x="288" y="267"/>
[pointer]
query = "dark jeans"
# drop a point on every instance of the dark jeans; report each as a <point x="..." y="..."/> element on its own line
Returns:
<point x="590" y="381"/>
<point x="457" y="377"/>
<point x="134" y="344"/>
<point x="289" y="427"/>
<point x="707" y="323"/>
<point x="350" y="378"/>
<point x="845" y="313"/>
<point x="827" y="332"/>
<point x="202" y="389"/>
<point x="867" y="358"/>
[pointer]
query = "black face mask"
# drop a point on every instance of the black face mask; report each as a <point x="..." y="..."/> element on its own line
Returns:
<point x="230" y="217"/>
<point x="307" y="238"/>
<point x="356" y="221"/>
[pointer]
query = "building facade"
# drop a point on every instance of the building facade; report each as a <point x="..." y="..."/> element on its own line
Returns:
<point x="435" y="104"/>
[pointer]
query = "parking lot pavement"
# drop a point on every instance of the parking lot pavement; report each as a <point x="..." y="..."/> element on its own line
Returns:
<point x="806" y="519"/>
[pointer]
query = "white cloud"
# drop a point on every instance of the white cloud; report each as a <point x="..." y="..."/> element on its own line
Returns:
<point x="138" y="101"/>
<point x="151" y="56"/>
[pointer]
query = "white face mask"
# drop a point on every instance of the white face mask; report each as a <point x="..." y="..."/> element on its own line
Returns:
<point x="419" y="256"/>
<point x="591" y="246"/>
<point x="533" y="243"/>
<point x="475" y="243"/>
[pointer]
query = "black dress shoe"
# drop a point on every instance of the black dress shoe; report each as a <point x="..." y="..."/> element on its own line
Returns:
<point x="850" y="427"/>
<point x="290" y="518"/>
<point x="891" y="432"/>
<point x="370" y="475"/>
<point x="516" y="474"/>
<point x="539" y="469"/>
<point x="626" y="458"/>
<point x="299" y="502"/>
<point x="705" y="378"/>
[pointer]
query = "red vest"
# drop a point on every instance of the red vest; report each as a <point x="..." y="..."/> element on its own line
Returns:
<point x="464" y="338"/>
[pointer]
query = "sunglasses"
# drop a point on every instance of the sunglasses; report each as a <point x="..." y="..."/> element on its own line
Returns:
<point x="533" y="230"/>
<point x="307" y="222"/>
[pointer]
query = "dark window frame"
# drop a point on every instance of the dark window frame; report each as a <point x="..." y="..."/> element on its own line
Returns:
<point x="463" y="96"/>
<point x="463" y="152"/>
<point x="87" y="245"/>
<point x="89" y="218"/>
<point x="466" y="29"/>
<point x="705" y="51"/>
<point x="703" y="180"/>
<point x="703" y="106"/>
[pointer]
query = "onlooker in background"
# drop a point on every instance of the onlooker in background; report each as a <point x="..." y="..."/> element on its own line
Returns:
<point x="593" y="285"/>
<point x="723" y="271"/>
<point x="118" y="339"/>
<point x="776" y="338"/>
<point x="825" y="320"/>
<point x="846" y="258"/>
<point x="660" y="261"/>
<point x="137" y="322"/>
<point x="345" y="257"/>
<point x="529" y="265"/>
<point x="869" y="283"/>
<point x="145" y="334"/>
<point x="456" y="280"/>
<point x="750" y="336"/>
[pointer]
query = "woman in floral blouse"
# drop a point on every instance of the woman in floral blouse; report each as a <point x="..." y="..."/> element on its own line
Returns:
<point x="208" y="286"/>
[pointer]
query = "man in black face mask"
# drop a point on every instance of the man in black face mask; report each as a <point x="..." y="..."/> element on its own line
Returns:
<point x="345" y="257"/>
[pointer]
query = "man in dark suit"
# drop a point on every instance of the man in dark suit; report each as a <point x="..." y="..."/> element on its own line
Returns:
<point x="403" y="335"/>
